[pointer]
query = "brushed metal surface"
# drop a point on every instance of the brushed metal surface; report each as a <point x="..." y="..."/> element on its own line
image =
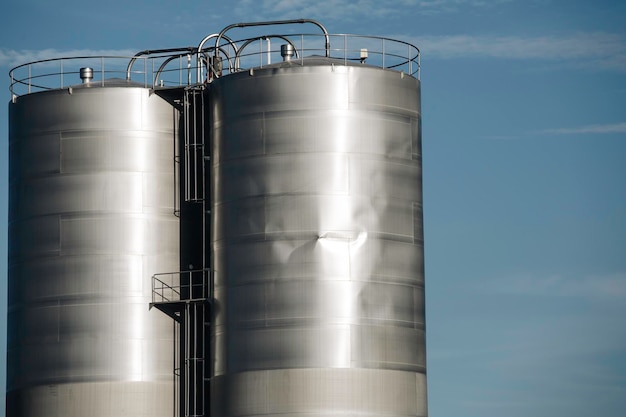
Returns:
<point x="317" y="243"/>
<point x="90" y="220"/>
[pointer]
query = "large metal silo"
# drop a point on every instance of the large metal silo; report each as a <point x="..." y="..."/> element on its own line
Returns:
<point x="91" y="219"/>
<point x="317" y="241"/>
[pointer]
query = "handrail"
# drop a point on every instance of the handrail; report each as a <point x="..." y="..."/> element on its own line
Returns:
<point x="189" y="49"/>
<point x="179" y="286"/>
<point x="26" y="80"/>
<point x="162" y="67"/>
<point x="216" y="48"/>
<point x="370" y="50"/>
<point x="274" y="22"/>
<point x="249" y="41"/>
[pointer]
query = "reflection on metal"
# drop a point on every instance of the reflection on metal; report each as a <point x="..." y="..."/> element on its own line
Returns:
<point x="294" y="187"/>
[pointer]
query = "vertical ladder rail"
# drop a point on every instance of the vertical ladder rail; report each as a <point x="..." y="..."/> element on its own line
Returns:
<point x="196" y="346"/>
<point x="193" y="116"/>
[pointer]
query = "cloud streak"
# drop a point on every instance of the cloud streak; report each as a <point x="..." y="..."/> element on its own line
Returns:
<point x="606" y="129"/>
<point x="590" y="50"/>
<point x="612" y="285"/>
<point x="358" y="9"/>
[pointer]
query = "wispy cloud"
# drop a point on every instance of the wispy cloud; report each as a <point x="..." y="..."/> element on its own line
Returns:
<point x="599" y="50"/>
<point x="613" y="285"/>
<point x="450" y="6"/>
<point x="12" y="57"/>
<point x="349" y="10"/>
<point x="606" y="128"/>
<point x="291" y="9"/>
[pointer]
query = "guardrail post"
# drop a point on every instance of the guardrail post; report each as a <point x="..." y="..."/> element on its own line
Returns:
<point x="382" y="41"/>
<point x="419" y="66"/>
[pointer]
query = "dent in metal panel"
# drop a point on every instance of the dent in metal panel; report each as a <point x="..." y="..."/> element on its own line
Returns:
<point x="330" y="217"/>
<point x="370" y="259"/>
<point x="255" y="261"/>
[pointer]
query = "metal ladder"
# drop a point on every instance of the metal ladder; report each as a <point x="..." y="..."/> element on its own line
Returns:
<point x="186" y="296"/>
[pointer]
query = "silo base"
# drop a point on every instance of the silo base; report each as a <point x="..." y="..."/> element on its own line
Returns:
<point x="319" y="393"/>
<point x="94" y="399"/>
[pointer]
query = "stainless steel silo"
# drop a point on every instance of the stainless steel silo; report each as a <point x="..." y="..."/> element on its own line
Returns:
<point x="91" y="220"/>
<point x="317" y="241"/>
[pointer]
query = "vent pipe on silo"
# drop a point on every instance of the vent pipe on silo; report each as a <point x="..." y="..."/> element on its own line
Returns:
<point x="287" y="51"/>
<point x="86" y="75"/>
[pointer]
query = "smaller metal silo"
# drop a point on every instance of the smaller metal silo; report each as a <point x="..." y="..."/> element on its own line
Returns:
<point x="91" y="219"/>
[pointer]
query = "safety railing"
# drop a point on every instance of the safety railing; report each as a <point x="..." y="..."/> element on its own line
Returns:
<point x="55" y="73"/>
<point x="190" y="66"/>
<point x="179" y="286"/>
<point x="343" y="49"/>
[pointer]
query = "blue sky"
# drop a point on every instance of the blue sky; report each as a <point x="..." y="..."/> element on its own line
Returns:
<point x="524" y="131"/>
